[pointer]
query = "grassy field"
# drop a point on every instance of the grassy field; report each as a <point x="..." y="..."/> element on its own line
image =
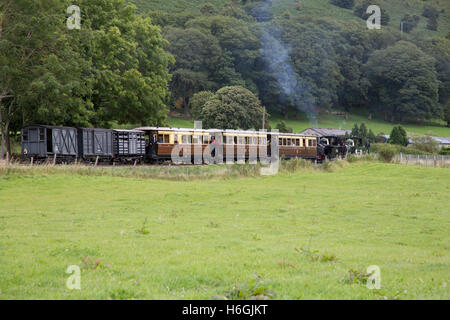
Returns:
<point x="331" y="121"/>
<point x="160" y="239"/>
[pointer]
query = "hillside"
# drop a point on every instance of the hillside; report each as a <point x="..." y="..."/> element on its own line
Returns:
<point x="323" y="8"/>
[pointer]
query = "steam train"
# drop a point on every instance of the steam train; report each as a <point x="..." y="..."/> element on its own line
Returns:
<point x="155" y="144"/>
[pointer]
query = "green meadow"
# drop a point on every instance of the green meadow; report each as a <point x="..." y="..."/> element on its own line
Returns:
<point x="296" y="235"/>
<point x="339" y="122"/>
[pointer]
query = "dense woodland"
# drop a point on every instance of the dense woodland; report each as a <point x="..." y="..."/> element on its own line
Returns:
<point x="214" y="62"/>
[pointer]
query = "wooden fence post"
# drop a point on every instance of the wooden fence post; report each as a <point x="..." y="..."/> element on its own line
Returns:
<point x="96" y="161"/>
<point x="32" y="160"/>
<point x="54" y="159"/>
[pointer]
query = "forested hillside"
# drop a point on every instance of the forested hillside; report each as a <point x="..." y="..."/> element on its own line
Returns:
<point x="396" y="9"/>
<point x="305" y="57"/>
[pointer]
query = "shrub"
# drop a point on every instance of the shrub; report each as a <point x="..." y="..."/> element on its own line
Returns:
<point x="282" y="127"/>
<point x="346" y="4"/>
<point x="425" y="144"/>
<point x="398" y="136"/>
<point x="445" y="151"/>
<point x="387" y="152"/>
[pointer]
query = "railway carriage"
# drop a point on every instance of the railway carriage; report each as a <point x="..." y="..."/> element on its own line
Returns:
<point x="162" y="141"/>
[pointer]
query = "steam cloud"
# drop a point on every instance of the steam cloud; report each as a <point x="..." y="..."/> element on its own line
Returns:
<point x="294" y="90"/>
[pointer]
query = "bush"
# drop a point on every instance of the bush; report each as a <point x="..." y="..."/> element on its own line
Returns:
<point x="282" y="127"/>
<point x="346" y="4"/>
<point x="425" y="144"/>
<point x="398" y="136"/>
<point x="445" y="151"/>
<point x="387" y="152"/>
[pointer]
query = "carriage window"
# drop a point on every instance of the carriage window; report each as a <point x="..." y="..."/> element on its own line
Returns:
<point x="160" y="138"/>
<point x="310" y="142"/>
<point x="255" y="140"/>
<point x="284" y="142"/>
<point x="314" y="143"/>
<point x="264" y="141"/>
<point x="166" y="138"/>
<point x="289" y="142"/>
<point x="235" y="140"/>
<point x="195" y="139"/>
<point x="206" y="139"/>
<point x="41" y="134"/>
<point x="304" y="142"/>
<point x="25" y="135"/>
<point x="280" y="142"/>
<point x="297" y="142"/>
<point x="175" y="139"/>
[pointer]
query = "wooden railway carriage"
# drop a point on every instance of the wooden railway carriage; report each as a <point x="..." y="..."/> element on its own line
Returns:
<point x="297" y="146"/>
<point x="162" y="141"/>
<point x="42" y="142"/>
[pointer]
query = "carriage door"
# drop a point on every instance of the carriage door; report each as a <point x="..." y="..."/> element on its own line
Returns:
<point x="100" y="143"/>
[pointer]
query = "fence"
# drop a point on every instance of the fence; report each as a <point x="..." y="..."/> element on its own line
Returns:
<point x="423" y="160"/>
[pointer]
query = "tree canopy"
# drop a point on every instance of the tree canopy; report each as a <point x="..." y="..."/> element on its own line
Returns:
<point x="232" y="108"/>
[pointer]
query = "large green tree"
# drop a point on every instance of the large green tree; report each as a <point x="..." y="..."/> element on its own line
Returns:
<point x="404" y="84"/>
<point x="114" y="68"/>
<point x="41" y="77"/>
<point x="232" y="108"/>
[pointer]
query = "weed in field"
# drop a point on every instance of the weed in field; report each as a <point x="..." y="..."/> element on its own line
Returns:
<point x="122" y="294"/>
<point x="285" y="263"/>
<point x="316" y="256"/>
<point x="212" y="225"/>
<point x="254" y="289"/>
<point x="143" y="230"/>
<point x="358" y="277"/>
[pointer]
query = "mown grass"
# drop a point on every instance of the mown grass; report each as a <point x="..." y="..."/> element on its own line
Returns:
<point x="237" y="237"/>
<point x="339" y="122"/>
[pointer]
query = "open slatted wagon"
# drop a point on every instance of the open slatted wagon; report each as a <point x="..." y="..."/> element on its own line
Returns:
<point x="128" y="145"/>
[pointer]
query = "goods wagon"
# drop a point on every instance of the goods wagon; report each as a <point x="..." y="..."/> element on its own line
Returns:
<point x="40" y="141"/>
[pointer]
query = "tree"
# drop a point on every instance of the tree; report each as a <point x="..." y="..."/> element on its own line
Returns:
<point x="398" y="136"/>
<point x="404" y="83"/>
<point x="197" y="54"/>
<point x="282" y="127"/>
<point x="40" y="74"/>
<point x="129" y="63"/>
<point x="410" y="22"/>
<point x="197" y="102"/>
<point x="355" y="131"/>
<point x="363" y="133"/>
<point x="346" y="4"/>
<point x="447" y="113"/>
<point x="432" y="24"/>
<point x="208" y="9"/>
<point x="233" y="108"/>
